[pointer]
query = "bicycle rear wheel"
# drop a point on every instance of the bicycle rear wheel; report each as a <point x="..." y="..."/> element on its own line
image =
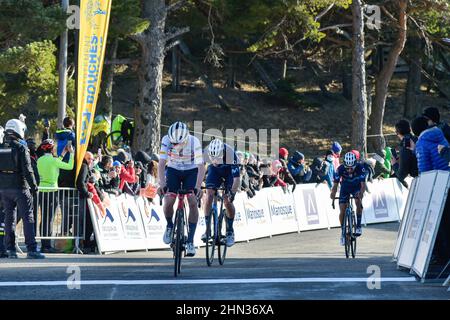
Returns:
<point x="179" y="237"/>
<point x="211" y="237"/>
<point x="347" y="233"/>
<point x="222" y="239"/>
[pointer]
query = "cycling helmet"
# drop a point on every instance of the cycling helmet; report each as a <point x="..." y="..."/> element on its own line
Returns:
<point x="16" y="127"/>
<point x="336" y="147"/>
<point x="283" y="152"/>
<point x="47" y="145"/>
<point x="178" y="132"/>
<point x="2" y="134"/>
<point x="215" y="148"/>
<point x="276" y="166"/>
<point x="356" y="153"/>
<point x="349" y="160"/>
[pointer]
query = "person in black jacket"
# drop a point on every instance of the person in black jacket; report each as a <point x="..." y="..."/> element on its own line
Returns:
<point x="406" y="162"/>
<point x="434" y="120"/>
<point x="17" y="184"/>
<point x="82" y="180"/>
<point x="109" y="179"/>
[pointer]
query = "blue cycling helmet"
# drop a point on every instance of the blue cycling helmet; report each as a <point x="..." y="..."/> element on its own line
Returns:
<point x="117" y="164"/>
<point x="336" y="147"/>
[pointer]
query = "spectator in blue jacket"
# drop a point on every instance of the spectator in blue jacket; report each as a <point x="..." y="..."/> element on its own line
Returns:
<point x="426" y="149"/>
<point x="63" y="136"/>
<point x="299" y="171"/>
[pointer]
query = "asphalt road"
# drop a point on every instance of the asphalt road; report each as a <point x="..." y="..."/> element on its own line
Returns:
<point x="310" y="265"/>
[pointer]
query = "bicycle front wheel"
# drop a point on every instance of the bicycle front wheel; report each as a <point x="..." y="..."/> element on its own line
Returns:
<point x="347" y="233"/>
<point x="211" y="237"/>
<point x="221" y="236"/>
<point x="353" y="237"/>
<point x="179" y="237"/>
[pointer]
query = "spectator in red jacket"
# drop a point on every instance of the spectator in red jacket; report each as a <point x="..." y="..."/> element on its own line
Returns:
<point x="126" y="172"/>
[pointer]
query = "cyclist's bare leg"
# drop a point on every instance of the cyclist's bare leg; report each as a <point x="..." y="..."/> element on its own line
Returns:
<point x="209" y="201"/>
<point x="169" y="201"/>
<point x="342" y="207"/>
<point x="359" y="210"/>
<point x="229" y="206"/>
<point x="193" y="209"/>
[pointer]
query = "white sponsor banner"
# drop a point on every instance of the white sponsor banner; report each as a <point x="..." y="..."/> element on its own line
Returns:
<point x="282" y="211"/>
<point x="431" y="225"/>
<point x="401" y="194"/>
<point x="258" y="215"/>
<point x="133" y="229"/>
<point x="416" y="218"/>
<point x="380" y="204"/>
<point x="311" y="211"/>
<point x="407" y="210"/>
<point x="323" y="192"/>
<point x="154" y="222"/>
<point x="107" y="225"/>
<point x="240" y="220"/>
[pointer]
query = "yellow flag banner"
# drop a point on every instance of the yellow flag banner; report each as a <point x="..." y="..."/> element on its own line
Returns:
<point x="94" y="22"/>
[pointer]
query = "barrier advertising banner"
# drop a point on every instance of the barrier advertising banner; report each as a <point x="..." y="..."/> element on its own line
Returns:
<point x="258" y="215"/>
<point x="282" y="211"/>
<point x="240" y="220"/>
<point x="407" y="207"/>
<point x="107" y="225"/>
<point x="380" y="205"/>
<point x="416" y="218"/>
<point x="431" y="225"/>
<point x="133" y="229"/>
<point x="309" y="215"/>
<point x="154" y="222"/>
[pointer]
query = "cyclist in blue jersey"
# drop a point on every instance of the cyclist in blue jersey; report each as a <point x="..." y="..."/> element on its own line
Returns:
<point x="223" y="166"/>
<point x="352" y="177"/>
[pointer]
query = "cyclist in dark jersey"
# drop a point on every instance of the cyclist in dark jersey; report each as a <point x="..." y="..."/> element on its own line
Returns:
<point x="223" y="166"/>
<point x="352" y="177"/>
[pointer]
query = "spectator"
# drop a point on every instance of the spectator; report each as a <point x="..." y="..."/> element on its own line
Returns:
<point x="320" y="170"/>
<point x="127" y="174"/>
<point x="426" y="149"/>
<point x="273" y="179"/>
<point x="406" y="162"/>
<point x="82" y="185"/>
<point x="65" y="136"/>
<point x="434" y="120"/>
<point x="245" y="179"/>
<point x="17" y="184"/>
<point x="134" y="189"/>
<point x="285" y="175"/>
<point x="337" y="149"/>
<point x="387" y="162"/>
<point x="253" y="173"/>
<point x="48" y="167"/>
<point x="380" y="169"/>
<point x="109" y="179"/>
<point x="299" y="171"/>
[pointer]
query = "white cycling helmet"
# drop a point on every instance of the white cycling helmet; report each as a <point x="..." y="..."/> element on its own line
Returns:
<point x="349" y="160"/>
<point x="16" y="126"/>
<point x="215" y="148"/>
<point x="178" y="132"/>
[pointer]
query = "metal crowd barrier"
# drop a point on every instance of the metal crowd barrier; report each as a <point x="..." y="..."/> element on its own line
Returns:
<point x="59" y="215"/>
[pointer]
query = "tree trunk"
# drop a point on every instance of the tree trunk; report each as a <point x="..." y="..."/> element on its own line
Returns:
<point x="147" y="114"/>
<point x="359" y="96"/>
<point x="175" y="70"/>
<point x="105" y="101"/>
<point x="412" y="101"/>
<point x="231" y="79"/>
<point x="382" y="82"/>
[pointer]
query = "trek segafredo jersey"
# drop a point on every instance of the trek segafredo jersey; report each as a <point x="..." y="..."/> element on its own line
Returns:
<point x="186" y="158"/>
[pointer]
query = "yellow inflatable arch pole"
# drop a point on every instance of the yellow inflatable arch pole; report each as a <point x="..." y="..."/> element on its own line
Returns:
<point x="94" y="22"/>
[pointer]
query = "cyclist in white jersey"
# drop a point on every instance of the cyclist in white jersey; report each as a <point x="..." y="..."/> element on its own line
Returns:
<point x="185" y="170"/>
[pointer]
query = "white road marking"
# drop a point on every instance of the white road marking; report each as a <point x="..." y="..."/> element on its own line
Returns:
<point x="204" y="281"/>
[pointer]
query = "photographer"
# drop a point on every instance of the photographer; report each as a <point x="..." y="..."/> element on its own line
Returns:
<point x="109" y="179"/>
<point x="405" y="162"/>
